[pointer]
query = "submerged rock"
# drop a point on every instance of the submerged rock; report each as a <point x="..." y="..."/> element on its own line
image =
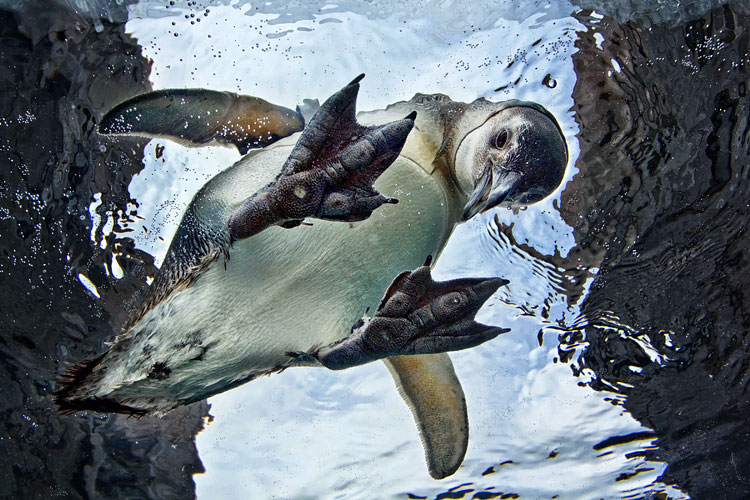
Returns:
<point x="62" y="71"/>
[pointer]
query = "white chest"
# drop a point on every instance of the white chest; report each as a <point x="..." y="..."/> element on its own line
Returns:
<point x="290" y="290"/>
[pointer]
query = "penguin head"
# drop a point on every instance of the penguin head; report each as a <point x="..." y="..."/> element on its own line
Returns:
<point x="516" y="156"/>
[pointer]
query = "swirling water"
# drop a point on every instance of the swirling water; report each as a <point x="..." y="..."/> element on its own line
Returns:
<point x="624" y="375"/>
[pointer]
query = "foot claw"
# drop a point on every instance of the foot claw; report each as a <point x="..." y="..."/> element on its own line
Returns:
<point x="418" y="316"/>
<point x="330" y="172"/>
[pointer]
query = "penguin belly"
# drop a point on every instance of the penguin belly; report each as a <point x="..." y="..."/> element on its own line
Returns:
<point x="281" y="290"/>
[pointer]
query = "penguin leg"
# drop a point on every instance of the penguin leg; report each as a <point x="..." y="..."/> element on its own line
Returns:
<point x="423" y="318"/>
<point x="330" y="172"/>
<point x="194" y="117"/>
<point x="417" y="315"/>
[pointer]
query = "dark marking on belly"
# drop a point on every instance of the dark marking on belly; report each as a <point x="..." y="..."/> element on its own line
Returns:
<point x="159" y="371"/>
<point x="199" y="357"/>
<point x="192" y="340"/>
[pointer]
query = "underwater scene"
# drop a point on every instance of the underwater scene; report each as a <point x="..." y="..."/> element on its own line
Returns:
<point x="571" y="200"/>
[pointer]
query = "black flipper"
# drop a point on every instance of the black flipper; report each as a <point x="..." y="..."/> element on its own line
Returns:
<point x="330" y="172"/>
<point x="418" y="316"/>
<point x="194" y="117"/>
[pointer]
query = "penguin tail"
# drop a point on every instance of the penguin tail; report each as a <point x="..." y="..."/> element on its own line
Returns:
<point x="74" y="394"/>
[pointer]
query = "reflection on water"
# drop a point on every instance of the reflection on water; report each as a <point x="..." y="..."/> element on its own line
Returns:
<point x="625" y="373"/>
<point x="667" y="314"/>
<point x="59" y="74"/>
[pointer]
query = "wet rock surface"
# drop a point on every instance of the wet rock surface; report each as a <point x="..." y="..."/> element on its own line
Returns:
<point x="61" y="73"/>
<point x="660" y="205"/>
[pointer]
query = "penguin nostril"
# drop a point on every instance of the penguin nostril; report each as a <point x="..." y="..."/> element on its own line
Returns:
<point x="501" y="140"/>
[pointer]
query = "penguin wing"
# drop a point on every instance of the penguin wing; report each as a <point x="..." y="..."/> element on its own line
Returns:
<point x="431" y="389"/>
<point x="194" y="117"/>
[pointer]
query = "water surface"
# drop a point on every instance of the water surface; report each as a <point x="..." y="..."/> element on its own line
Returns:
<point x="624" y="375"/>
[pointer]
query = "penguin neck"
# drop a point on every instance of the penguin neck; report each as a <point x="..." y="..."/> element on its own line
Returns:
<point x="458" y="120"/>
<point x="431" y="144"/>
<point x="423" y="144"/>
<point x="433" y="126"/>
<point x="443" y="124"/>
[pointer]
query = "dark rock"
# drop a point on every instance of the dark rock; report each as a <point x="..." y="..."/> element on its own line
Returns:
<point x="663" y="189"/>
<point x="61" y="73"/>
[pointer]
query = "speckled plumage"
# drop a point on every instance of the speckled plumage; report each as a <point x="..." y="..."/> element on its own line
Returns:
<point x="231" y="303"/>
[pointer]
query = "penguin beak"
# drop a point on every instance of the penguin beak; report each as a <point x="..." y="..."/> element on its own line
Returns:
<point x="495" y="186"/>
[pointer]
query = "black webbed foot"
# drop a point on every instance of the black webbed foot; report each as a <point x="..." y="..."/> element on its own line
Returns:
<point x="418" y="315"/>
<point x="329" y="173"/>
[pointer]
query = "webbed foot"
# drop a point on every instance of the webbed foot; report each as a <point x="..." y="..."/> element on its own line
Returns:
<point x="329" y="173"/>
<point x="418" y="315"/>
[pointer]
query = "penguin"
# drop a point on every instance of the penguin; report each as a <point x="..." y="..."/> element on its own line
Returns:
<point x="279" y="257"/>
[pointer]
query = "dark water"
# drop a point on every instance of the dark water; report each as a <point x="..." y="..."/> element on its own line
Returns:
<point x="59" y="74"/>
<point x="664" y="191"/>
<point x="660" y="206"/>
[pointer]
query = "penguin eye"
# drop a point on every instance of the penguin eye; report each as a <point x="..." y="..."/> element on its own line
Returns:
<point x="501" y="139"/>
